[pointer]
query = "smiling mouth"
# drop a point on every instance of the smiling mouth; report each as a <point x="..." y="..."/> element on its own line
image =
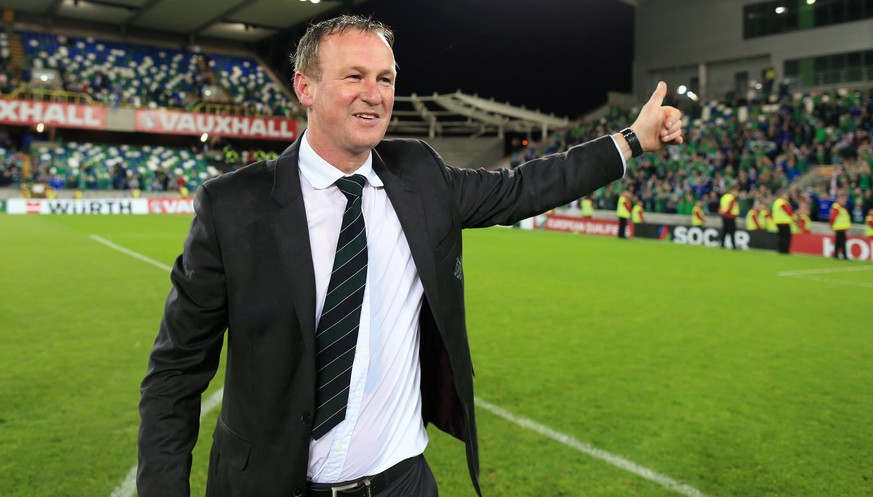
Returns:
<point x="367" y="117"/>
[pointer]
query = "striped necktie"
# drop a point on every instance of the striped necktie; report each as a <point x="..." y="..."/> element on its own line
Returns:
<point x="337" y="333"/>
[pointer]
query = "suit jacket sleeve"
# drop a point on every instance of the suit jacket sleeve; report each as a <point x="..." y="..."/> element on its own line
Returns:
<point x="183" y="361"/>
<point x="486" y="198"/>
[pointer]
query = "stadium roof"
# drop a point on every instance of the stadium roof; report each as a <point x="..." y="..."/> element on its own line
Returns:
<point x="237" y="20"/>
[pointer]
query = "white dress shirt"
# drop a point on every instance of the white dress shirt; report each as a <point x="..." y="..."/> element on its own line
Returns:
<point x="383" y="423"/>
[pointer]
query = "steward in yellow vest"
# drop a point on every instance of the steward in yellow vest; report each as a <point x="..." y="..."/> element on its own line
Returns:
<point x="804" y="223"/>
<point x="771" y="225"/>
<point x="752" y="221"/>
<point x="697" y="216"/>
<point x="840" y="222"/>
<point x="729" y="208"/>
<point x="637" y="213"/>
<point x="869" y="222"/>
<point x="587" y="207"/>
<point x="623" y="211"/>
<point x="763" y="214"/>
<point x="782" y="211"/>
<point x="783" y="217"/>
<point x="840" y="219"/>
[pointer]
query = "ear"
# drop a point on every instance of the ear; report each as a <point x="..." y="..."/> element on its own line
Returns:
<point x="303" y="89"/>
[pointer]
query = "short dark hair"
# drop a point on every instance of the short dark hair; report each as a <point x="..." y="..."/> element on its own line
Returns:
<point x="305" y="57"/>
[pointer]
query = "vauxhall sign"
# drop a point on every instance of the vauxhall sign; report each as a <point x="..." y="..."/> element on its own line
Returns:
<point x="162" y="121"/>
<point x="190" y="123"/>
<point x="26" y="112"/>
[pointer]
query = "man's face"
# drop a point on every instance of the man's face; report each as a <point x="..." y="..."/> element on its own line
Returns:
<point x="349" y="106"/>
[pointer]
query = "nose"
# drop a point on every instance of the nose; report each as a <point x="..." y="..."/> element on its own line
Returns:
<point x="370" y="93"/>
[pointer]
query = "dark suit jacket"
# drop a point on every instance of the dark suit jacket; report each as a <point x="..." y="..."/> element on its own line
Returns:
<point x="246" y="268"/>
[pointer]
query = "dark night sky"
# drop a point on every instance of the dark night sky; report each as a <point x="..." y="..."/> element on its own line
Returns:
<point x="560" y="56"/>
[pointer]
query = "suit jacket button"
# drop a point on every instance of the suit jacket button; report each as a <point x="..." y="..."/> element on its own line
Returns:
<point x="306" y="418"/>
<point x="298" y="492"/>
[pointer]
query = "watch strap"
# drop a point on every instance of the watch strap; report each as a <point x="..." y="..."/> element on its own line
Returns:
<point x="633" y="141"/>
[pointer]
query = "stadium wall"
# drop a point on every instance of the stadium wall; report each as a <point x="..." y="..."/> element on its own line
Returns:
<point x="860" y="248"/>
<point x="705" y="40"/>
<point x="672" y="229"/>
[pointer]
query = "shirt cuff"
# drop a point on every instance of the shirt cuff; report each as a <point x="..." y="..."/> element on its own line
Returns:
<point x="623" y="162"/>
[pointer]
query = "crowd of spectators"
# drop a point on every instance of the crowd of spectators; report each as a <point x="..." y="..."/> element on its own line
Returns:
<point x="62" y="165"/>
<point x="778" y="142"/>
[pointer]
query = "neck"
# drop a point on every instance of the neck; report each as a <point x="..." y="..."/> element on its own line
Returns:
<point x="344" y="162"/>
<point x="347" y="162"/>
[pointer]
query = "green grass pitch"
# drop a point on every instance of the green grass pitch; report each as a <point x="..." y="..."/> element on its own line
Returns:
<point x="702" y="365"/>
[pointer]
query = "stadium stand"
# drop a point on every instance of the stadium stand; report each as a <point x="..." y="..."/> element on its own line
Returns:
<point x="10" y="166"/>
<point x="127" y="74"/>
<point x="88" y="166"/>
<point x="813" y="144"/>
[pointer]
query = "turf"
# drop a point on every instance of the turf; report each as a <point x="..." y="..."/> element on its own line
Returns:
<point x="700" y="364"/>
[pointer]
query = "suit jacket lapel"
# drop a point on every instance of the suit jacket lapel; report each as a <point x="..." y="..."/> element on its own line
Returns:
<point x="410" y="211"/>
<point x="291" y="232"/>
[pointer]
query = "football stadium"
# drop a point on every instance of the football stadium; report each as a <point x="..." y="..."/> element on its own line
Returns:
<point x="699" y="327"/>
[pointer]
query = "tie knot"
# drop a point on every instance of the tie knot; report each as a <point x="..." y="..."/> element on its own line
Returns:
<point x="351" y="185"/>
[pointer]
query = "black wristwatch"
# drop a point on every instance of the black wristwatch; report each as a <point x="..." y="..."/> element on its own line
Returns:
<point x="631" y="137"/>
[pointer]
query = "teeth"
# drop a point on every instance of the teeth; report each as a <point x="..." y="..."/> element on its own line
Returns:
<point x="366" y="116"/>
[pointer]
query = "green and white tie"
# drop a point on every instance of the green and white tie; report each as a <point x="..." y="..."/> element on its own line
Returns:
<point x="337" y="333"/>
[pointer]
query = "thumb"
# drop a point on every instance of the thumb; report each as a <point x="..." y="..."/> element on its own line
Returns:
<point x="658" y="96"/>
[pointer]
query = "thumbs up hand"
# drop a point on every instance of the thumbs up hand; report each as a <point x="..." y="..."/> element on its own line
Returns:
<point x="658" y="125"/>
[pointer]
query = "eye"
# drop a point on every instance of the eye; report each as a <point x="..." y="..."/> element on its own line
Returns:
<point x="354" y="77"/>
<point x="386" y="80"/>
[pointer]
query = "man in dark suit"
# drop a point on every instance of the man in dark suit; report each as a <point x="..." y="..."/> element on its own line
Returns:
<point x="260" y="262"/>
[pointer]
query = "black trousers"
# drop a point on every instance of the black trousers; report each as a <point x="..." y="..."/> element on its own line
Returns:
<point x="729" y="228"/>
<point x="840" y="245"/>
<point x="622" y="226"/>
<point x="417" y="482"/>
<point x="784" y="238"/>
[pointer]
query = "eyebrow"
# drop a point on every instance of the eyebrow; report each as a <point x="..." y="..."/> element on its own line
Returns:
<point x="392" y="71"/>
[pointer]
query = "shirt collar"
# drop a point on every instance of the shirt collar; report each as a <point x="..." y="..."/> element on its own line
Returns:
<point x="321" y="174"/>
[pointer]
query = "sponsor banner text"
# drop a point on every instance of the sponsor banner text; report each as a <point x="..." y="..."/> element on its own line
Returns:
<point x="193" y="123"/>
<point x="603" y="227"/>
<point x="76" y="207"/>
<point x="171" y="206"/>
<point x="28" y="112"/>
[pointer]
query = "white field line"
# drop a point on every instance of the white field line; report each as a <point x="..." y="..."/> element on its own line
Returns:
<point x="799" y="272"/>
<point x="135" y="255"/>
<point x="618" y="461"/>
<point x="128" y="486"/>
<point x="807" y="274"/>
<point x="836" y="282"/>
